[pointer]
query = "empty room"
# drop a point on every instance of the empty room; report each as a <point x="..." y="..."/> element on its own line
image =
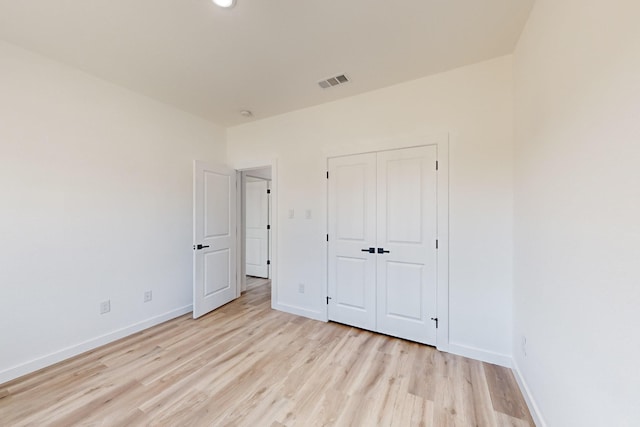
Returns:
<point x="331" y="213"/>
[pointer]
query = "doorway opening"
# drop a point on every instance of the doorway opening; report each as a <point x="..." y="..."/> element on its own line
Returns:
<point x="255" y="228"/>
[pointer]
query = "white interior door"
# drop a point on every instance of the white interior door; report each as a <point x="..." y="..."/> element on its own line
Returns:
<point x="385" y="201"/>
<point x="352" y="231"/>
<point x="257" y="234"/>
<point x="406" y="235"/>
<point x="214" y="237"/>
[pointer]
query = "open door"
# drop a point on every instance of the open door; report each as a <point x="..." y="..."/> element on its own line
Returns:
<point x="257" y="228"/>
<point x="214" y="237"/>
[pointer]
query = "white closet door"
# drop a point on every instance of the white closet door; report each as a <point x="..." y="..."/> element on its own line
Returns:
<point x="407" y="229"/>
<point x="352" y="229"/>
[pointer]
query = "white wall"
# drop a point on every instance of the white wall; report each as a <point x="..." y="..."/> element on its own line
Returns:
<point x="473" y="103"/>
<point x="577" y="211"/>
<point x="96" y="190"/>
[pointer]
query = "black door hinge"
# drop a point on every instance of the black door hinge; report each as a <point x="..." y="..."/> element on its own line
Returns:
<point x="436" y="165"/>
<point x="268" y="262"/>
<point x="327" y="174"/>
<point x="268" y="227"/>
<point x="268" y="191"/>
<point x="436" y="243"/>
<point x="327" y="237"/>
<point x="435" y="319"/>
<point x="328" y="298"/>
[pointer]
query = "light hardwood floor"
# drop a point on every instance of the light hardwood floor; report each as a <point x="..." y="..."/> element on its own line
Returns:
<point x="247" y="365"/>
<point x="254" y="282"/>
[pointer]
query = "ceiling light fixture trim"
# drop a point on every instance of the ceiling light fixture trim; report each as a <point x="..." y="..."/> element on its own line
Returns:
<point x="227" y="4"/>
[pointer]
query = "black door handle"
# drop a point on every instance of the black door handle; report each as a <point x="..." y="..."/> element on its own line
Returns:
<point x="382" y="251"/>
<point x="201" y="247"/>
<point x="370" y="250"/>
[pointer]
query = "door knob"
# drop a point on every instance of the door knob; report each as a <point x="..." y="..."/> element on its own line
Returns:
<point x="382" y="251"/>
<point x="370" y="250"/>
<point x="198" y="247"/>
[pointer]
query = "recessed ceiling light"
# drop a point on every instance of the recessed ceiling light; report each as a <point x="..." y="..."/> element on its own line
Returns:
<point x="225" y="3"/>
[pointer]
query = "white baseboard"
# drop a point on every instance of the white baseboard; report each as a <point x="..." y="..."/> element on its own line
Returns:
<point x="74" y="350"/>
<point x="299" y="311"/>
<point x="531" y="403"/>
<point x="480" y="354"/>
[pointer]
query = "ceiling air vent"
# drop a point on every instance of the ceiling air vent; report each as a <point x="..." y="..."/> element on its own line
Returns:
<point x="333" y="81"/>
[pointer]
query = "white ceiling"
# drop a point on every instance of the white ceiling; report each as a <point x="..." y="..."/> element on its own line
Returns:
<point x="262" y="55"/>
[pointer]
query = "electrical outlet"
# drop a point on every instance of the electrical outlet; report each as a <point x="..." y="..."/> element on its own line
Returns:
<point x="524" y="345"/>
<point x="105" y="306"/>
<point x="301" y="288"/>
<point x="148" y="296"/>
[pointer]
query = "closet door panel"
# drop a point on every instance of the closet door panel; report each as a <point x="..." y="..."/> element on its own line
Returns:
<point x="352" y="228"/>
<point x="406" y="234"/>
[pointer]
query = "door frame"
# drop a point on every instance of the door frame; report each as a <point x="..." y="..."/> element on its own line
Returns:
<point x="241" y="224"/>
<point x="441" y="141"/>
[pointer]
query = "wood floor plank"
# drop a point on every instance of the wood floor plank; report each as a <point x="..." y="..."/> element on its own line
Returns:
<point x="327" y="410"/>
<point x="105" y="399"/>
<point x="247" y="365"/>
<point x="504" y="391"/>
<point x="482" y="404"/>
<point x="503" y="420"/>
<point x="422" y="415"/>
<point x="254" y="282"/>
<point x="423" y="380"/>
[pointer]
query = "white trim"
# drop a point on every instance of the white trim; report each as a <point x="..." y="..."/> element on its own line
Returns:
<point x="299" y="311"/>
<point x="528" y="397"/>
<point x="241" y="277"/>
<point x="325" y="253"/>
<point x="481" y="354"/>
<point x="442" y="333"/>
<point x="275" y="229"/>
<point x="269" y="221"/>
<point x="90" y="344"/>
<point x="417" y="138"/>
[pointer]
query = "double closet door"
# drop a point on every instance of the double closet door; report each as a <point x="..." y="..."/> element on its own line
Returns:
<point x="383" y="242"/>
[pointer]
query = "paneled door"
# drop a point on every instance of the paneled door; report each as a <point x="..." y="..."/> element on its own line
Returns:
<point x="352" y="240"/>
<point x="214" y="237"/>
<point x="382" y="242"/>
<point x="257" y="233"/>
<point x="406" y="236"/>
